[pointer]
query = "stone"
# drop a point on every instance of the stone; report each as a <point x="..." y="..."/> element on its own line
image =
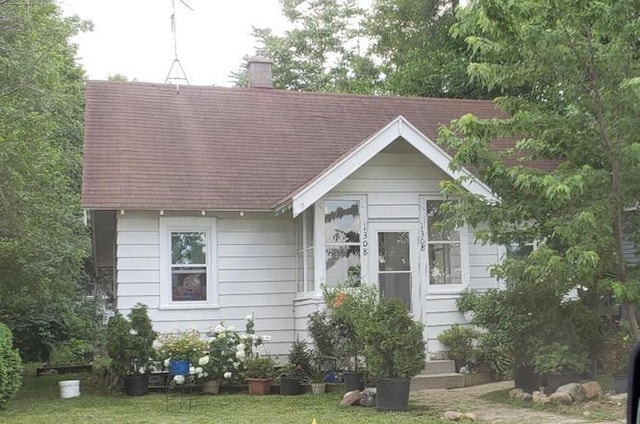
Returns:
<point x="452" y="415"/>
<point x="513" y="393"/>
<point x="368" y="397"/>
<point x="524" y="396"/>
<point x="539" y="397"/>
<point x="469" y="416"/>
<point x="575" y="390"/>
<point x="563" y="398"/>
<point x="351" y="398"/>
<point x="592" y="389"/>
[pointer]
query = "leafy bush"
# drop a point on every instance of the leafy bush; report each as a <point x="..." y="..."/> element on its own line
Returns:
<point x="394" y="345"/>
<point x="130" y="341"/>
<point x="10" y="366"/>
<point x="459" y="342"/>
<point x="557" y="358"/>
<point x="259" y="367"/>
<point x="72" y="351"/>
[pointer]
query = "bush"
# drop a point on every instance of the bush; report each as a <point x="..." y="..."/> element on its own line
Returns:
<point x="129" y="342"/>
<point x="459" y="342"/>
<point x="10" y="366"/>
<point x="72" y="351"/>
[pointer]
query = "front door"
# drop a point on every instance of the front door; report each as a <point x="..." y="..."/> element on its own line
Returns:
<point x="394" y="263"/>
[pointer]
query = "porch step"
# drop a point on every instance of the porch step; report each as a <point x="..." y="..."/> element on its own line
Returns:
<point x="443" y="366"/>
<point x="449" y="380"/>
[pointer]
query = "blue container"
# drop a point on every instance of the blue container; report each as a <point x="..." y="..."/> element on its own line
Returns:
<point x="179" y="366"/>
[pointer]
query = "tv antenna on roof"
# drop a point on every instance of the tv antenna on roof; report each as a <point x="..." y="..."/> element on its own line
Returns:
<point x="176" y="71"/>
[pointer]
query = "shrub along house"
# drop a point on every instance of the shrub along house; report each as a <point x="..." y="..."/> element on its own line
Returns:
<point x="208" y="204"/>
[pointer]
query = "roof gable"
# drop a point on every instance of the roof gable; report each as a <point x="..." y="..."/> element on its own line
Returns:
<point x="367" y="149"/>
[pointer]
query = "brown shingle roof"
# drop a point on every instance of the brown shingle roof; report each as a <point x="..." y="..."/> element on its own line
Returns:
<point x="150" y="147"/>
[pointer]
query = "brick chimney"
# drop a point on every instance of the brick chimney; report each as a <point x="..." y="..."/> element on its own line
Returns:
<point x="259" y="72"/>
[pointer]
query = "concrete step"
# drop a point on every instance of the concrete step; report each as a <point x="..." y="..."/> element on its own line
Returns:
<point x="448" y="380"/>
<point x="442" y="366"/>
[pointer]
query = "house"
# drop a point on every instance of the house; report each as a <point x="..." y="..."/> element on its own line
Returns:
<point x="208" y="204"/>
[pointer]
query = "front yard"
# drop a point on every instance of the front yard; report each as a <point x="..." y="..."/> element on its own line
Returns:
<point x="39" y="402"/>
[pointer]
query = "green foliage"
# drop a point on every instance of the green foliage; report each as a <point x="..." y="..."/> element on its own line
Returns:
<point x="71" y="351"/>
<point x="183" y="345"/>
<point x="557" y="358"/>
<point x="573" y="65"/>
<point x="459" y="342"/>
<point x="43" y="243"/>
<point x="394" y="345"/>
<point x="329" y="344"/>
<point x="10" y="367"/>
<point x="130" y="341"/>
<point x="259" y="367"/>
<point x="299" y="355"/>
<point x="350" y="308"/>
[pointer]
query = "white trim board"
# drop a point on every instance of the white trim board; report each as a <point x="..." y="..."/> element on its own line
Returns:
<point x="397" y="128"/>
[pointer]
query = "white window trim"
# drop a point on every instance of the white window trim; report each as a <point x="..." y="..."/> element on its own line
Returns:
<point x="320" y="256"/>
<point x="304" y="294"/>
<point x="184" y="224"/>
<point x="464" y="254"/>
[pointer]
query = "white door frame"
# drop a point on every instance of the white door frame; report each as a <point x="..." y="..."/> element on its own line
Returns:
<point x="413" y="229"/>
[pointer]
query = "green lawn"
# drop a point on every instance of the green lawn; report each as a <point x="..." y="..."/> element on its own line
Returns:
<point x="39" y="402"/>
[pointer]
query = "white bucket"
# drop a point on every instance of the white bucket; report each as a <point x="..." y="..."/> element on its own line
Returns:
<point x="69" y="388"/>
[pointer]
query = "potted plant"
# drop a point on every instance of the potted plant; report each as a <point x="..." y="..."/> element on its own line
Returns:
<point x="459" y="343"/>
<point x="317" y="378"/>
<point x="394" y="353"/>
<point x="129" y="345"/>
<point x="559" y="365"/>
<point x="259" y="372"/>
<point x="182" y="349"/>
<point x="351" y="305"/>
<point x="225" y="360"/>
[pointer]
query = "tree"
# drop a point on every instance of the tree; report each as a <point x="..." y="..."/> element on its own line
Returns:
<point x="321" y="52"/>
<point x="42" y="240"/>
<point x="576" y="65"/>
<point x="419" y="55"/>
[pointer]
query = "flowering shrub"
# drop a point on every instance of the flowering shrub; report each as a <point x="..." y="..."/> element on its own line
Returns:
<point x="186" y="345"/>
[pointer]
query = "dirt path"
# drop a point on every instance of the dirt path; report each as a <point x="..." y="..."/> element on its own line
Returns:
<point x="468" y="400"/>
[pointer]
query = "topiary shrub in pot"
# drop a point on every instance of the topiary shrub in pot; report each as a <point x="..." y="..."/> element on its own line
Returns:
<point x="394" y="351"/>
<point x="459" y="343"/>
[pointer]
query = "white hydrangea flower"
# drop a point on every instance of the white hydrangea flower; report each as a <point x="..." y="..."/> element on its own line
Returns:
<point x="133" y="332"/>
<point x="231" y="328"/>
<point x="199" y="370"/>
<point x="179" y="379"/>
<point x="204" y="360"/>
<point x="210" y="339"/>
<point x="240" y="355"/>
<point x="192" y="370"/>
<point x="205" y="374"/>
<point x="141" y="370"/>
<point x="219" y="328"/>
<point x="157" y="344"/>
<point x="166" y="362"/>
<point x="241" y="346"/>
<point x="244" y="336"/>
<point x="227" y="375"/>
<point x="255" y="337"/>
<point x="222" y="335"/>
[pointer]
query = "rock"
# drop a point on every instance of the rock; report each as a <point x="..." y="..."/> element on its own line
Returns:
<point x="524" y="396"/>
<point x="575" y="390"/>
<point x="469" y="416"/>
<point x="368" y="397"/>
<point x="539" y="397"/>
<point x="563" y="398"/>
<point x="592" y="389"/>
<point x="351" y="398"/>
<point x="452" y="415"/>
<point x="513" y="393"/>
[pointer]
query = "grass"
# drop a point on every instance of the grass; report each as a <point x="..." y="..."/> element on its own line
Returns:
<point x="39" y="402"/>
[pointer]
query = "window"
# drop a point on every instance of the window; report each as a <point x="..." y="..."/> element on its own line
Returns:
<point x="444" y="252"/>
<point x="305" y="252"/>
<point x="519" y="250"/>
<point x="187" y="252"/>
<point x="342" y="229"/>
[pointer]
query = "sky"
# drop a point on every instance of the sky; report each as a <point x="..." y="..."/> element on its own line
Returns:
<point x="134" y="37"/>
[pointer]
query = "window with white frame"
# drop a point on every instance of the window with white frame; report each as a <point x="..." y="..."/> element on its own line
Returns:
<point x="342" y="242"/>
<point x="444" y="249"/>
<point x="305" y="251"/>
<point x="186" y="259"/>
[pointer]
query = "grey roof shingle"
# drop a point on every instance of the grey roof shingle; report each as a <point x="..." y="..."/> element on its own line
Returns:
<point x="148" y="146"/>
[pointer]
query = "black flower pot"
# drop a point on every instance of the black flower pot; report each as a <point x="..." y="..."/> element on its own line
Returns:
<point x="289" y="386"/>
<point x="353" y="381"/>
<point x="392" y="394"/>
<point x="526" y="378"/>
<point x="136" y="385"/>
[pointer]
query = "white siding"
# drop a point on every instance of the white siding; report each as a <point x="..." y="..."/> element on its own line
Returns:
<point x="393" y="183"/>
<point x="255" y="274"/>
<point x="303" y="308"/>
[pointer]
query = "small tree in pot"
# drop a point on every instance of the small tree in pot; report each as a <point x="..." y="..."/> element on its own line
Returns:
<point x="130" y="347"/>
<point x="394" y="353"/>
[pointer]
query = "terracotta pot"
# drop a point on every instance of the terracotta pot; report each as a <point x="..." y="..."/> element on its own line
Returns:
<point x="211" y="387"/>
<point x="259" y="386"/>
